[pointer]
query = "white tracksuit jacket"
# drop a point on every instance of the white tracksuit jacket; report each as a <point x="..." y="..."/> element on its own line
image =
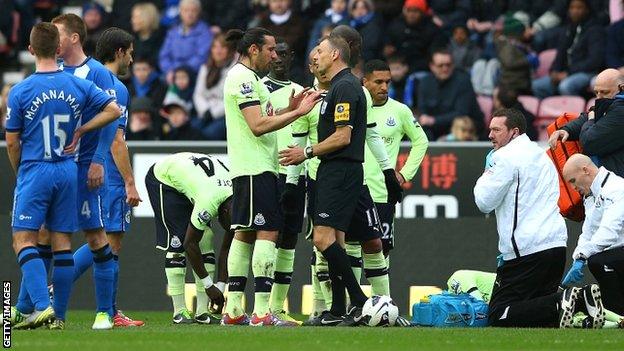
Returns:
<point x="522" y="187"/>
<point x="603" y="228"/>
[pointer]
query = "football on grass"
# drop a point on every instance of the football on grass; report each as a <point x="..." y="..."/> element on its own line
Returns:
<point x="380" y="311"/>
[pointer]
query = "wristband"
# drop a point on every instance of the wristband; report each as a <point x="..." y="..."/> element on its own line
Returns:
<point x="221" y="286"/>
<point x="207" y="282"/>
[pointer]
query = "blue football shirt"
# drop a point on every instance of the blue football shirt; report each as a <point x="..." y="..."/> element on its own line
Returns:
<point x="46" y="108"/>
<point x="92" y="70"/>
<point x="123" y="100"/>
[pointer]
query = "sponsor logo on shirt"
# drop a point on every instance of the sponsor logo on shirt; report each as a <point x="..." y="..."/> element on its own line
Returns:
<point x="323" y="215"/>
<point x="246" y="88"/>
<point x="323" y="107"/>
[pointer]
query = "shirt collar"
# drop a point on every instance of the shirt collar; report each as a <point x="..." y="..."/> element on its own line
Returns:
<point x="599" y="181"/>
<point x="340" y="74"/>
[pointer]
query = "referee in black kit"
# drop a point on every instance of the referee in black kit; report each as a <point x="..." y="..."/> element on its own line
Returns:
<point x="341" y="197"/>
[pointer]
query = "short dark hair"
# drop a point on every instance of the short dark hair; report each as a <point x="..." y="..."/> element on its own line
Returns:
<point x="111" y="40"/>
<point x="243" y="40"/>
<point x="341" y="45"/>
<point x="353" y="39"/>
<point x="439" y="51"/>
<point x="375" y="65"/>
<point x="73" y="24"/>
<point x="145" y="59"/>
<point x="515" y="118"/>
<point x="44" y="40"/>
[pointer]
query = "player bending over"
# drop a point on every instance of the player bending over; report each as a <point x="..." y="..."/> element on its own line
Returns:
<point x="187" y="191"/>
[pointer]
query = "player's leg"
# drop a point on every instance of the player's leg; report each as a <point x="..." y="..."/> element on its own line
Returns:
<point x="338" y="190"/>
<point x="62" y="275"/>
<point x="24" y="304"/>
<point x="354" y="251"/>
<point x="285" y="254"/>
<point x="238" y="262"/>
<point x="62" y="222"/>
<point x="206" y="247"/>
<point x="172" y="211"/>
<point x="375" y="267"/>
<point x="608" y="269"/>
<point x="91" y="219"/>
<point x="318" y="302"/>
<point x="30" y="205"/>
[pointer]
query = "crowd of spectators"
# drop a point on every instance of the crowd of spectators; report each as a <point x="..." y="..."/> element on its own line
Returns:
<point x="442" y="53"/>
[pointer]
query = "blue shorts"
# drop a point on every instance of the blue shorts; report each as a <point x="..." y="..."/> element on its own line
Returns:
<point x="92" y="213"/>
<point x="118" y="209"/>
<point x="45" y="193"/>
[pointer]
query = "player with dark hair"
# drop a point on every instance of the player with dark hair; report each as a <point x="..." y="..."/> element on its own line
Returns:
<point x="91" y="157"/>
<point x="114" y="49"/>
<point x="187" y="191"/>
<point x="43" y="112"/>
<point x="252" y="148"/>
<point x="394" y="121"/>
<point x="292" y="195"/>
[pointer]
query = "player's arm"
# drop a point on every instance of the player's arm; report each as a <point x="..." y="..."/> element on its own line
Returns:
<point x="110" y="112"/>
<point x="14" y="125"/>
<point x="420" y="143"/>
<point x="193" y="253"/>
<point x="222" y="272"/>
<point x="14" y="149"/>
<point x="119" y="150"/>
<point x="300" y="134"/>
<point x="376" y="146"/>
<point x="261" y="125"/>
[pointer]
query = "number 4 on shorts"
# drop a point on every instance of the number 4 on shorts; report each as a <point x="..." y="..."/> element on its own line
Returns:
<point x="85" y="211"/>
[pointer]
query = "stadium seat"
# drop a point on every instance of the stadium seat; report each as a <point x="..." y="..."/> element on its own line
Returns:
<point x="530" y="103"/>
<point x="590" y="103"/>
<point x="554" y="106"/>
<point x="417" y="292"/>
<point x="486" y="104"/>
<point x="546" y="59"/>
<point x="541" y="124"/>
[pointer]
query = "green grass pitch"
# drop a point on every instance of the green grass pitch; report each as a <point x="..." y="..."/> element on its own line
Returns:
<point x="160" y="334"/>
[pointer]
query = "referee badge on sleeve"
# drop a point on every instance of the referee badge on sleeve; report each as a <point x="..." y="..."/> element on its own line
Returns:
<point x="341" y="112"/>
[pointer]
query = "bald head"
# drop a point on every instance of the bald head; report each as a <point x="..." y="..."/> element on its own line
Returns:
<point x="580" y="172"/>
<point x="607" y="83"/>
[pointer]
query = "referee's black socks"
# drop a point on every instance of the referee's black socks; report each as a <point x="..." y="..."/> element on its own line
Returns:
<point x="340" y="270"/>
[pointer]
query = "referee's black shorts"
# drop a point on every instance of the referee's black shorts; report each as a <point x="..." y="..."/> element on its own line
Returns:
<point x="338" y="188"/>
<point x="293" y="219"/>
<point x="172" y="213"/>
<point x="365" y="224"/>
<point x="255" y="203"/>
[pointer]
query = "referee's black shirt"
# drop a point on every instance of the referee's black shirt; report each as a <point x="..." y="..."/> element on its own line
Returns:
<point x="344" y="105"/>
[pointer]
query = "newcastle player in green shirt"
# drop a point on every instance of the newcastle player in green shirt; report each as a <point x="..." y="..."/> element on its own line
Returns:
<point x="394" y="121"/>
<point x="187" y="191"/>
<point x="252" y="151"/>
<point x="281" y="88"/>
